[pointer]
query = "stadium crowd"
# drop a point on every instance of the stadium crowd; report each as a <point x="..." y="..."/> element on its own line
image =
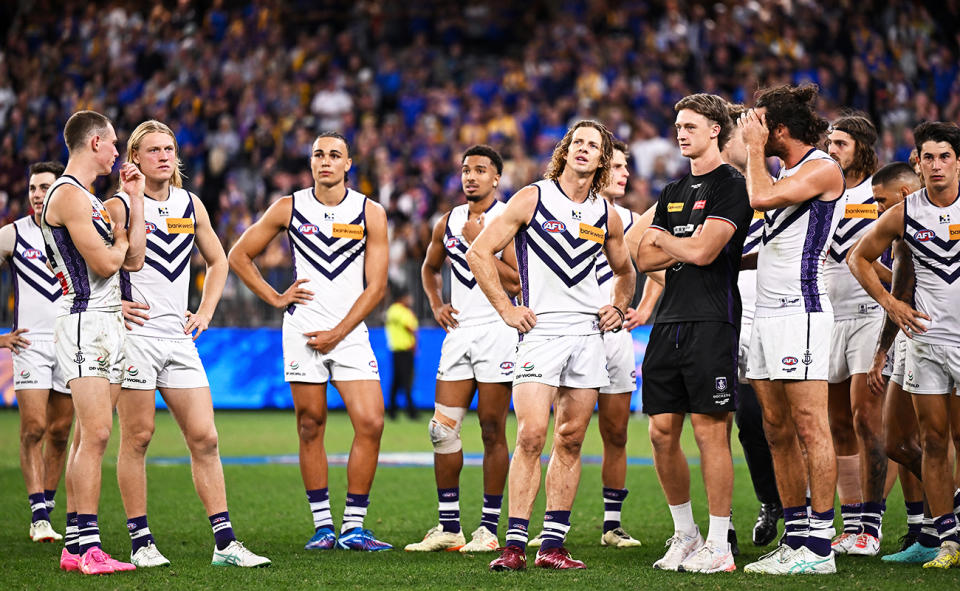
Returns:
<point x="246" y="86"/>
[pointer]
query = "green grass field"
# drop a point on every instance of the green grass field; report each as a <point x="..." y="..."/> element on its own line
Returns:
<point x="270" y="514"/>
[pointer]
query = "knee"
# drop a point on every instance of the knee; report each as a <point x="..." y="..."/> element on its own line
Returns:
<point x="31" y="433"/>
<point x="663" y="438"/>
<point x="613" y="435"/>
<point x="96" y="438"/>
<point x="492" y="432"/>
<point x="310" y="426"/>
<point x="530" y="442"/>
<point x="137" y="438"/>
<point x="59" y="435"/>
<point x="205" y="443"/>
<point x="445" y="427"/>
<point x="369" y="428"/>
<point x="934" y="442"/>
<point x="568" y="444"/>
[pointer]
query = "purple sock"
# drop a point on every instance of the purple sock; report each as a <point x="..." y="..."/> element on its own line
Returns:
<point x="490" y="516"/>
<point x="517" y="534"/>
<point x="914" y="517"/>
<point x="821" y="532"/>
<point x="612" y="505"/>
<point x="222" y="529"/>
<point x="140" y="535"/>
<point x="556" y="524"/>
<point x="851" y="517"/>
<point x="449" y="509"/>
<point x="88" y="531"/>
<point x="38" y="506"/>
<point x="796" y="525"/>
<point x="48" y="498"/>
<point x="871" y="517"/>
<point x="71" y="535"/>
<point x="947" y="528"/>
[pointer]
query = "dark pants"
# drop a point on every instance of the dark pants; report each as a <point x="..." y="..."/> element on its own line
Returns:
<point x="402" y="380"/>
<point x="749" y="419"/>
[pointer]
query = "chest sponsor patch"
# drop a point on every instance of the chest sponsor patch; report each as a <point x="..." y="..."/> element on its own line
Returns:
<point x="757" y="215"/>
<point x="179" y="226"/>
<point x="675" y="207"/>
<point x="351" y="231"/>
<point x="700" y="204"/>
<point x="955" y="232"/>
<point x="101" y="214"/>
<point x="588" y="232"/>
<point x="867" y="211"/>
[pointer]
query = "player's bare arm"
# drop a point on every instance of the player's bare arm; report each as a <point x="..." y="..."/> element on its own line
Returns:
<point x="650" y="257"/>
<point x="507" y="269"/>
<point x="70" y="207"/>
<point x="700" y="249"/>
<point x="375" y="272"/>
<point x="860" y="259"/>
<point x="430" y="275"/>
<point x="613" y="314"/>
<point x="252" y="244"/>
<point x="132" y="183"/>
<point x="483" y="260"/>
<point x="818" y="179"/>
<point x="216" y="275"/>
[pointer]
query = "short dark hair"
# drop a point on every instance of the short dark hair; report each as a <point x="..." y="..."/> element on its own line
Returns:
<point x="712" y="107"/>
<point x="336" y="135"/>
<point x="53" y="167"/>
<point x="864" y="134"/>
<point x="795" y="108"/>
<point x="81" y="125"/>
<point x="622" y="146"/>
<point x="485" y="150"/>
<point x="892" y="172"/>
<point x="937" y="131"/>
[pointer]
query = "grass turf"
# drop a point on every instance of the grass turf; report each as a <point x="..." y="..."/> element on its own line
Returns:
<point x="270" y="514"/>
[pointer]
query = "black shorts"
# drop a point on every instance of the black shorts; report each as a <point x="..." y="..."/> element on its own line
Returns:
<point x="691" y="367"/>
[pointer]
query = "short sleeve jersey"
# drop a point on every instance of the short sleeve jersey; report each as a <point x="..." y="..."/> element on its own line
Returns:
<point x="709" y="293"/>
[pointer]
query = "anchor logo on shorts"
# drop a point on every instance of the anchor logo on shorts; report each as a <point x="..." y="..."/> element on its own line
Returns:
<point x="79" y="358"/>
<point x="807" y="357"/>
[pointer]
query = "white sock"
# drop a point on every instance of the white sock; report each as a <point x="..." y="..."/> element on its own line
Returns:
<point x="719" y="527"/>
<point x="683" y="519"/>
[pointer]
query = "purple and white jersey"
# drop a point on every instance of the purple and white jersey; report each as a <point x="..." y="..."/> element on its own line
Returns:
<point x="747" y="279"/>
<point x="604" y="272"/>
<point x="793" y="252"/>
<point x="847" y="296"/>
<point x="328" y="245"/>
<point x="466" y="297"/>
<point x="557" y="255"/>
<point x="35" y="289"/>
<point x="933" y="235"/>
<point x="82" y="289"/>
<point x="164" y="281"/>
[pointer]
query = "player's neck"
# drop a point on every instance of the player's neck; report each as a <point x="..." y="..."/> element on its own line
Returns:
<point x="795" y="152"/>
<point x="706" y="162"/>
<point x="575" y="186"/>
<point x="329" y="196"/>
<point x="482" y="205"/>
<point x="610" y="197"/>
<point x="852" y="180"/>
<point x="84" y="172"/>
<point x="157" y="190"/>
<point x="943" y="197"/>
<point x="36" y="216"/>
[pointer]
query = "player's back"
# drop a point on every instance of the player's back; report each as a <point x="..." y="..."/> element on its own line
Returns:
<point x="466" y="297"/>
<point x="82" y="289"/>
<point x="794" y="249"/>
<point x="164" y="281"/>
<point x="328" y="245"/>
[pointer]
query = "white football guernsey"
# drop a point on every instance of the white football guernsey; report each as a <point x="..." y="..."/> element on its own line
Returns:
<point x="466" y="297"/>
<point x="847" y="296"/>
<point x="35" y="289"/>
<point x="604" y="273"/>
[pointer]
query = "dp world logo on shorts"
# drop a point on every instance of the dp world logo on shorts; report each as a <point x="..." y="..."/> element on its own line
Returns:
<point x="101" y="361"/>
<point x="527" y="366"/>
<point x="132" y="371"/>
<point x="25" y="375"/>
<point x="294" y="366"/>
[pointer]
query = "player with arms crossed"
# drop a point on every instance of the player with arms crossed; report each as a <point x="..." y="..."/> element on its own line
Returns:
<point x="46" y="410"/>
<point x="790" y="344"/>
<point x="477" y="355"/>
<point x="86" y="252"/>
<point x="159" y="351"/>
<point x="927" y="222"/>
<point x="339" y="243"/>
<point x="561" y="225"/>
<point x="697" y="235"/>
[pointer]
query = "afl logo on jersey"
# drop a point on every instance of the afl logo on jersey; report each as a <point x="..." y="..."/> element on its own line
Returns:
<point x="308" y="229"/>
<point x="452" y="242"/>
<point x="32" y="254"/>
<point x="924" y="235"/>
<point x="553" y="226"/>
<point x="151" y="227"/>
<point x="96" y="215"/>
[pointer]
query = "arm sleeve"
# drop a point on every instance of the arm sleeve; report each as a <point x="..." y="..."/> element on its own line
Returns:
<point x="731" y="203"/>
<point x="660" y="214"/>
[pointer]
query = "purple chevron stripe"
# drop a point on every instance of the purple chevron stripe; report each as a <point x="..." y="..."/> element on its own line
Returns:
<point x="925" y="250"/>
<point x="470" y="283"/>
<point x="604" y="278"/>
<point x="852" y="233"/>
<point x="818" y="230"/>
<point x="331" y="275"/>
<point x="169" y="257"/>
<point x="457" y="258"/>
<point x="45" y="291"/>
<point x="103" y="231"/>
<point x="944" y="244"/>
<point x="562" y="254"/>
<point x="568" y="236"/>
<point x="793" y="217"/>
<point x="947" y="277"/>
<point x="170" y="275"/>
<point x="328" y="240"/>
<point x="520" y="246"/>
<point x="41" y="271"/>
<point x="328" y="257"/>
<point x="548" y="261"/>
<point x="749" y="246"/>
<point x="126" y="287"/>
<point x="76" y="268"/>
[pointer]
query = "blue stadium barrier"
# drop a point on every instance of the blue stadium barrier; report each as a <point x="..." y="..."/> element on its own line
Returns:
<point x="245" y="367"/>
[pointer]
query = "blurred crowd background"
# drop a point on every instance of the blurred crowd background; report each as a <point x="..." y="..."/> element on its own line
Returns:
<point x="247" y="85"/>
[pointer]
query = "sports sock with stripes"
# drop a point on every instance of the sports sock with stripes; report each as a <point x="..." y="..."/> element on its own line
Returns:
<point x="956" y="503"/>
<point x="88" y="532"/>
<point x="928" y="538"/>
<point x="222" y="529"/>
<point x="914" y="517"/>
<point x="38" y="507"/>
<point x="48" y="497"/>
<point x="71" y="535"/>
<point x="354" y="512"/>
<point x="851" y="515"/>
<point x="947" y="528"/>
<point x="796" y="526"/>
<point x="319" y="500"/>
<point x="517" y="533"/>
<point x="490" y="516"/>
<point x="139" y="531"/>
<point x="821" y="532"/>
<point x="612" y="505"/>
<point x="449" y="509"/>
<point x="871" y="518"/>
<point x="556" y="524"/>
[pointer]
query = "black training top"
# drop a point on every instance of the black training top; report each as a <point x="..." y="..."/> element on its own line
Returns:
<point x="707" y="293"/>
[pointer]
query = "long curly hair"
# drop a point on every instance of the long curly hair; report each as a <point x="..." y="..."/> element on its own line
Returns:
<point x="795" y="108"/>
<point x="559" y="159"/>
<point x="864" y="134"/>
<point x="154" y="126"/>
